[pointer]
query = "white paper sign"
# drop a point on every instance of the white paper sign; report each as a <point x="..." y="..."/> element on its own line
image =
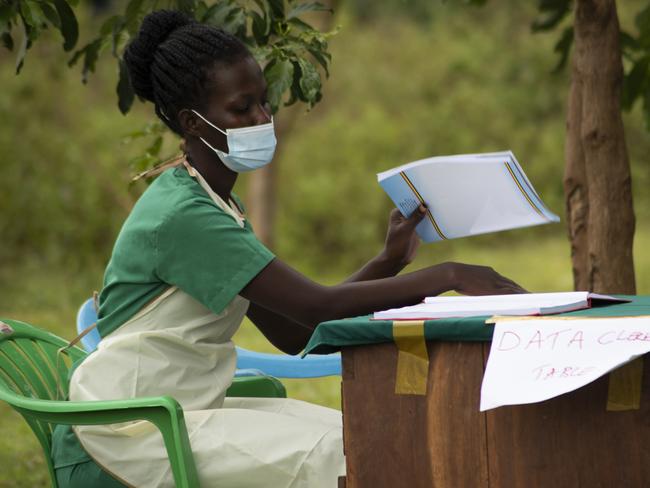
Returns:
<point x="532" y="360"/>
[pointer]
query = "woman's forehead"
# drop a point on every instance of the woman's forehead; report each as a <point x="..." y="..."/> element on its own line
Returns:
<point x="231" y="80"/>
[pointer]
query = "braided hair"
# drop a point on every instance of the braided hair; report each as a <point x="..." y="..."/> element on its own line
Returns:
<point x="170" y="59"/>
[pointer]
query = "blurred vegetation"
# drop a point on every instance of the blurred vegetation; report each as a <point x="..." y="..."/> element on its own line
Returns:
<point x="462" y="80"/>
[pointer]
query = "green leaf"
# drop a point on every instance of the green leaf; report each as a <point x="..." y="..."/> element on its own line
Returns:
<point x="90" y="53"/>
<point x="629" y="44"/>
<point x="7" y="12"/>
<point x="302" y="25"/>
<point x="552" y="13"/>
<point x="322" y="57"/>
<point x="563" y="48"/>
<point x="642" y="21"/>
<point x="262" y="5"/>
<point x="132" y="15"/>
<point x="109" y="25"/>
<point x="201" y="9"/>
<point x="236" y="23"/>
<point x="69" y="25"/>
<point x="156" y="145"/>
<point x="142" y="163"/>
<point x="27" y="14"/>
<point x="227" y="16"/>
<point x="310" y="82"/>
<point x="279" y="77"/>
<point x="125" y="94"/>
<point x="300" y="9"/>
<point x="295" y="94"/>
<point x="277" y="8"/>
<point x="114" y="27"/>
<point x="7" y="41"/>
<point x="186" y="6"/>
<point x="36" y="19"/>
<point x="634" y="82"/>
<point x="22" y="48"/>
<point x="50" y="13"/>
<point x="261" y="28"/>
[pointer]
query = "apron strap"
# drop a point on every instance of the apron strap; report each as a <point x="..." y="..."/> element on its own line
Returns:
<point x="62" y="352"/>
<point x="88" y="329"/>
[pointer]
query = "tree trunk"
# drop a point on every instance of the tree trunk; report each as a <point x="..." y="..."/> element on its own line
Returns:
<point x="262" y="186"/>
<point x="597" y="178"/>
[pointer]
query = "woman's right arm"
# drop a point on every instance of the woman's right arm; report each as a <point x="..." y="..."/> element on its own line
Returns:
<point x="283" y="290"/>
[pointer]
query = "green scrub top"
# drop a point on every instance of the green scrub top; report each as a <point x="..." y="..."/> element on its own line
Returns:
<point x="176" y="235"/>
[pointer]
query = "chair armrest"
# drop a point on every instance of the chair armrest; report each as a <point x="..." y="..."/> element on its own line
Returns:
<point x="164" y="412"/>
<point x="287" y="366"/>
<point x="127" y="409"/>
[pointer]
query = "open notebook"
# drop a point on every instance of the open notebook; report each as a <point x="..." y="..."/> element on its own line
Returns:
<point x="524" y="304"/>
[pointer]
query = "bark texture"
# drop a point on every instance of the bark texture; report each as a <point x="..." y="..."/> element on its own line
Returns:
<point x="263" y="183"/>
<point x="597" y="178"/>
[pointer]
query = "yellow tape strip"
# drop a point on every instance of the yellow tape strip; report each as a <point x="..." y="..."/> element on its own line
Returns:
<point x="412" y="359"/>
<point x="625" y="387"/>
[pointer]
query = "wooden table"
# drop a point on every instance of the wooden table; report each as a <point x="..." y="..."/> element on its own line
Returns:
<point x="442" y="440"/>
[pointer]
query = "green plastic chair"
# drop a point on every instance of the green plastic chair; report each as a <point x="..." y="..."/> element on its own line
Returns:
<point x="34" y="380"/>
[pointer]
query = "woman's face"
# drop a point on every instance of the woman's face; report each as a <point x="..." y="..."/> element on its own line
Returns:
<point x="236" y="98"/>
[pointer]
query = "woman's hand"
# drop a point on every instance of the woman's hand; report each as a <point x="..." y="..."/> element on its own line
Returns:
<point x="470" y="279"/>
<point x="401" y="240"/>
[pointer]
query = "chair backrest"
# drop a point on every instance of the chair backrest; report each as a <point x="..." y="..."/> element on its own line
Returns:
<point x="30" y="366"/>
<point x="277" y="365"/>
<point x="87" y="316"/>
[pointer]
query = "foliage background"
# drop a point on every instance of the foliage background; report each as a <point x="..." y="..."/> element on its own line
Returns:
<point x="407" y="81"/>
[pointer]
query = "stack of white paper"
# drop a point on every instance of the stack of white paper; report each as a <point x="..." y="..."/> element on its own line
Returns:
<point x="466" y="195"/>
<point x="523" y="304"/>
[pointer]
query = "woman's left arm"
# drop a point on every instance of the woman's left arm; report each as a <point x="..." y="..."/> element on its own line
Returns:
<point x="285" y="334"/>
<point x="399" y="250"/>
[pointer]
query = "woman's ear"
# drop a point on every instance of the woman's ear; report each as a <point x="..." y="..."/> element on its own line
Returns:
<point x="189" y="123"/>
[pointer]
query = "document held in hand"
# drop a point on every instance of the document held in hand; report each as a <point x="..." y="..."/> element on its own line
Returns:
<point x="473" y="306"/>
<point x="466" y="195"/>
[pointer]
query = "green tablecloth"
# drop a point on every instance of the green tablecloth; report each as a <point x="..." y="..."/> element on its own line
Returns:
<point x="333" y="335"/>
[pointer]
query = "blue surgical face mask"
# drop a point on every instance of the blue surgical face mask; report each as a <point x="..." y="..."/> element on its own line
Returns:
<point x="249" y="148"/>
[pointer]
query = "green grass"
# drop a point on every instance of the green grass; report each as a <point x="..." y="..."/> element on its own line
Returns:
<point x="49" y="297"/>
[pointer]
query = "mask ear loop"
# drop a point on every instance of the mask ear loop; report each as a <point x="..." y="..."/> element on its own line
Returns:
<point x="268" y="115"/>
<point x="208" y="122"/>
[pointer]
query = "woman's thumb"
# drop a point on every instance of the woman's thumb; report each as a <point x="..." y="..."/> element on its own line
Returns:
<point x="416" y="217"/>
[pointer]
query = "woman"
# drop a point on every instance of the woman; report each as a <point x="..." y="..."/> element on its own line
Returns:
<point x="187" y="267"/>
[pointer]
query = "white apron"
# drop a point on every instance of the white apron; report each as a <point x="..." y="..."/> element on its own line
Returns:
<point x="176" y="346"/>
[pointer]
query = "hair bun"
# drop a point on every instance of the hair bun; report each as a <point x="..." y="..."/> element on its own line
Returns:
<point x="139" y="54"/>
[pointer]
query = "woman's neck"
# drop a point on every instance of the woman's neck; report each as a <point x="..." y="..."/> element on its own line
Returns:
<point x="214" y="172"/>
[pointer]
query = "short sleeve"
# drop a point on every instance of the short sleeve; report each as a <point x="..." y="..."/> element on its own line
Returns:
<point x="204" y="252"/>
